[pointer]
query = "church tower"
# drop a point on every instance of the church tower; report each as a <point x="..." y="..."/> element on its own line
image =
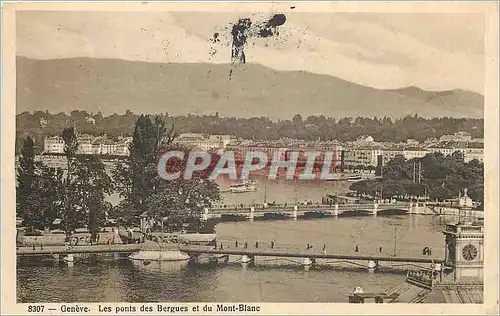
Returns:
<point x="464" y="247"/>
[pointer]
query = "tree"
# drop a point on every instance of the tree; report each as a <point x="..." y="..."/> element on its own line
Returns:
<point x="27" y="199"/>
<point x="50" y="190"/>
<point x="71" y="212"/>
<point x="90" y="185"/>
<point x="181" y="200"/>
<point x="85" y="187"/>
<point x="396" y="168"/>
<point x="442" y="177"/>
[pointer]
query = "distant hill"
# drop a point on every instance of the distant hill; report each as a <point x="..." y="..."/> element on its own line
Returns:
<point x="111" y="85"/>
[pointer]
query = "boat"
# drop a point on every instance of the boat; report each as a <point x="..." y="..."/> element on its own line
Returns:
<point x="246" y="186"/>
<point x="165" y="247"/>
<point x="354" y="178"/>
<point x="343" y="177"/>
<point x="335" y="177"/>
<point x="155" y="252"/>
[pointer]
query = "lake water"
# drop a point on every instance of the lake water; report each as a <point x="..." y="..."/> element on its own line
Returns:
<point x="105" y="279"/>
<point x="102" y="278"/>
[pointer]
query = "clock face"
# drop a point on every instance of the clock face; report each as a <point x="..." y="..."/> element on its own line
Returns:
<point x="469" y="252"/>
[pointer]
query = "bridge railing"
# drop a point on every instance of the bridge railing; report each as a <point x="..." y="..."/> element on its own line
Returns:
<point x="245" y="209"/>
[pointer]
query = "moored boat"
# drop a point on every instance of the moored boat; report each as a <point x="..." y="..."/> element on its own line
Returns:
<point x="166" y="247"/>
<point x="246" y="186"/>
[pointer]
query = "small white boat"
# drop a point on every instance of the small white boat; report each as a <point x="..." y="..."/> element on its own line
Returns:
<point x="247" y="186"/>
<point x="159" y="254"/>
<point x="166" y="247"/>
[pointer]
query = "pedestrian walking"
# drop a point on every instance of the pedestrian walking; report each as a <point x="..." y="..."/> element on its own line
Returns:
<point x="357" y="249"/>
<point x="380" y="249"/>
<point x="256" y="244"/>
<point x="246" y="244"/>
<point x="236" y="243"/>
<point x="324" y="249"/>
<point x="272" y="244"/>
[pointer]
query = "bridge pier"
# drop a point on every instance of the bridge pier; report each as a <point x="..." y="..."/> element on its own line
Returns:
<point x="308" y="262"/>
<point x="251" y="216"/>
<point x="295" y="209"/>
<point x="417" y="208"/>
<point x="410" y="208"/>
<point x="69" y="259"/>
<point x="372" y="265"/>
<point x="247" y="259"/>
<point x="375" y="208"/>
<point x="336" y="210"/>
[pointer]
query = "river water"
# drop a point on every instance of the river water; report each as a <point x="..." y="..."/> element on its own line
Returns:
<point x="104" y="279"/>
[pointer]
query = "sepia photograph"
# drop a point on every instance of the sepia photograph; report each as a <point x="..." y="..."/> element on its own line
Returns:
<point x="280" y="153"/>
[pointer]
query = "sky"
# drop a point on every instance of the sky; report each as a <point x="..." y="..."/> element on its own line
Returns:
<point x="434" y="51"/>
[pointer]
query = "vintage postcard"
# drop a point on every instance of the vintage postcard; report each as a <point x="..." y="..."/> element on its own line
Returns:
<point x="261" y="158"/>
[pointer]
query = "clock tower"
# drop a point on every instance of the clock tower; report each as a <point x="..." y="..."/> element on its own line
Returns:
<point x="464" y="247"/>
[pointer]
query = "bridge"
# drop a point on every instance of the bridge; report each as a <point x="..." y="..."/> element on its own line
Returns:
<point x="86" y="249"/>
<point x="244" y="255"/>
<point x="252" y="211"/>
<point x="197" y="250"/>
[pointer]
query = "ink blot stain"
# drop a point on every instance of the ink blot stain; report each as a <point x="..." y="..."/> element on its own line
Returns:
<point x="240" y="33"/>
<point x="244" y="29"/>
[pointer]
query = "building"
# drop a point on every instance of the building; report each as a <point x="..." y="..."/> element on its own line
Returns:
<point x="411" y="153"/>
<point x="457" y="137"/>
<point x="202" y="142"/>
<point x="102" y="145"/>
<point x="53" y="145"/>
<point x="389" y="154"/>
<point x="457" y="280"/>
<point x="90" y="145"/>
<point x="460" y="279"/>
<point x="412" y="142"/>
<point x="445" y="148"/>
<point x="470" y="150"/>
<point x="85" y="144"/>
<point x="122" y="146"/>
<point x="282" y="149"/>
<point x="270" y="148"/>
<point x="366" y="156"/>
<point x="223" y="140"/>
<point x="474" y="151"/>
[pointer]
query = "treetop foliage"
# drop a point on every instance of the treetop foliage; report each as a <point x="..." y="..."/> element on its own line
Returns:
<point x="40" y="124"/>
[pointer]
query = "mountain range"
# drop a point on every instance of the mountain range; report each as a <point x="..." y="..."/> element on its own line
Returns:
<point x="248" y="90"/>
